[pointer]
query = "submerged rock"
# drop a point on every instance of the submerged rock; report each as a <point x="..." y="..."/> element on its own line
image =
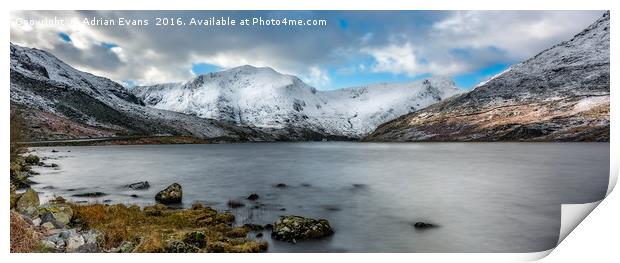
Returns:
<point x="280" y="185"/>
<point x="91" y="194"/>
<point x="422" y="225"/>
<point x="253" y="197"/>
<point x="173" y="194"/>
<point x="139" y="185"/>
<point x="235" y="204"/>
<point x="254" y="227"/>
<point x="293" y="228"/>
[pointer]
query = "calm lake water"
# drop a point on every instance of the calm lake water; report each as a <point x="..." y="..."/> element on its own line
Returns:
<point x="485" y="197"/>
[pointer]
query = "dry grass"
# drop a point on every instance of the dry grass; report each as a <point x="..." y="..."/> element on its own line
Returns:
<point x="155" y="226"/>
<point x="24" y="238"/>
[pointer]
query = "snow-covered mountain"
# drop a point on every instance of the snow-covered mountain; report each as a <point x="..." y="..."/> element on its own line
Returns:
<point x="561" y="94"/>
<point x="264" y="98"/>
<point x="59" y="101"/>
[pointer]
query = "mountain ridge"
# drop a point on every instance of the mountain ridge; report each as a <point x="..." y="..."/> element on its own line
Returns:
<point x="560" y="94"/>
<point x="61" y="102"/>
<point x="264" y="98"/>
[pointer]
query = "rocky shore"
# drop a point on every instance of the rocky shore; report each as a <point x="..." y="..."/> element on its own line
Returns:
<point x="62" y="226"/>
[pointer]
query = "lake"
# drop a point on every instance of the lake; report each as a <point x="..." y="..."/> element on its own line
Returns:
<point x="484" y="197"/>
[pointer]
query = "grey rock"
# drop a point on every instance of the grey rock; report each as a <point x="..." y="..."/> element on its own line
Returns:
<point x="92" y="236"/>
<point x="139" y="185"/>
<point x="74" y="242"/>
<point x="423" y="225"/>
<point x="66" y="234"/>
<point x="90" y="194"/>
<point x="88" y="248"/>
<point x="294" y="228"/>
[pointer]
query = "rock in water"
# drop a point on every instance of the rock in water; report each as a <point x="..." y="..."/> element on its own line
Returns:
<point x="139" y="185"/>
<point x="173" y="194"/>
<point x="423" y="225"/>
<point x="253" y="197"/>
<point x="28" y="202"/>
<point x="235" y="204"/>
<point x="92" y="194"/>
<point x="32" y="159"/>
<point x="293" y="228"/>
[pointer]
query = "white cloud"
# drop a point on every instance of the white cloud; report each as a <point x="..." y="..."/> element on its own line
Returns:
<point x="397" y="59"/>
<point x="317" y="77"/>
<point x="395" y="42"/>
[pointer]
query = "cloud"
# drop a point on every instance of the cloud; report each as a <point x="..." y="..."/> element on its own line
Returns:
<point x="409" y="43"/>
<point x="397" y="59"/>
<point x="318" y="77"/>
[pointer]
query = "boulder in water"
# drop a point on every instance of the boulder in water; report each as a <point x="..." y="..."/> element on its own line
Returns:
<point x="253" y="197"/>
<point x="173" y="194"/>
<point x="292" y="228"/>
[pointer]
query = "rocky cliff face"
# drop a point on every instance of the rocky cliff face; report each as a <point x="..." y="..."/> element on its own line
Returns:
<point x="268" y="100"/>
<point x="561" y="94"/>
<point x="60" y="102"/>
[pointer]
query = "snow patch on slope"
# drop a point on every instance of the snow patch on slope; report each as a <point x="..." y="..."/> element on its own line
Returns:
<point x="264" y="98"/>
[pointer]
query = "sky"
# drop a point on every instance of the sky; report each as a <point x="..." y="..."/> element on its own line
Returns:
<point x="354" y="48"/>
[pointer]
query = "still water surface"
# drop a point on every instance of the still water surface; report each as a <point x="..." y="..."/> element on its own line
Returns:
<point x="485" y="197"/>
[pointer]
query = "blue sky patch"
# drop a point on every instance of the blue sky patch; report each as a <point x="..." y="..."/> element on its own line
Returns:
<point x="204" y="68"/>
<point x="64" y="37"/>
<point x="469" y="80"/>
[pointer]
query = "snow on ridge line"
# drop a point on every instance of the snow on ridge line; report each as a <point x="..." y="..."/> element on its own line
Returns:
<point x="263" y="97"/>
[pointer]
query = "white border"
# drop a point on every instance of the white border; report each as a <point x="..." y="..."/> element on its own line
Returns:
<point x="568" y="255"/>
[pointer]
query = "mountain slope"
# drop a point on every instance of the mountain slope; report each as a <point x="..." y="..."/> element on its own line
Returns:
<point x="561" y="94"/>
<point x="280" y="104"/>
<point x="60" y="102"/>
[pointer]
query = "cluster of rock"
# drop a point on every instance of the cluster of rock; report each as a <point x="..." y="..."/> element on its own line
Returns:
<point x="20" y="170"/>
<point x="52" y="221"/>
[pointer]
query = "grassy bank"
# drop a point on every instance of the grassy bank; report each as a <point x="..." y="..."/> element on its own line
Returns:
<point x="123" y="229"/>
<point x="159" y="229"/>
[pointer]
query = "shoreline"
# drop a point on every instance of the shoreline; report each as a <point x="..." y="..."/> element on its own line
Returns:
<point x="58" y="225"/>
